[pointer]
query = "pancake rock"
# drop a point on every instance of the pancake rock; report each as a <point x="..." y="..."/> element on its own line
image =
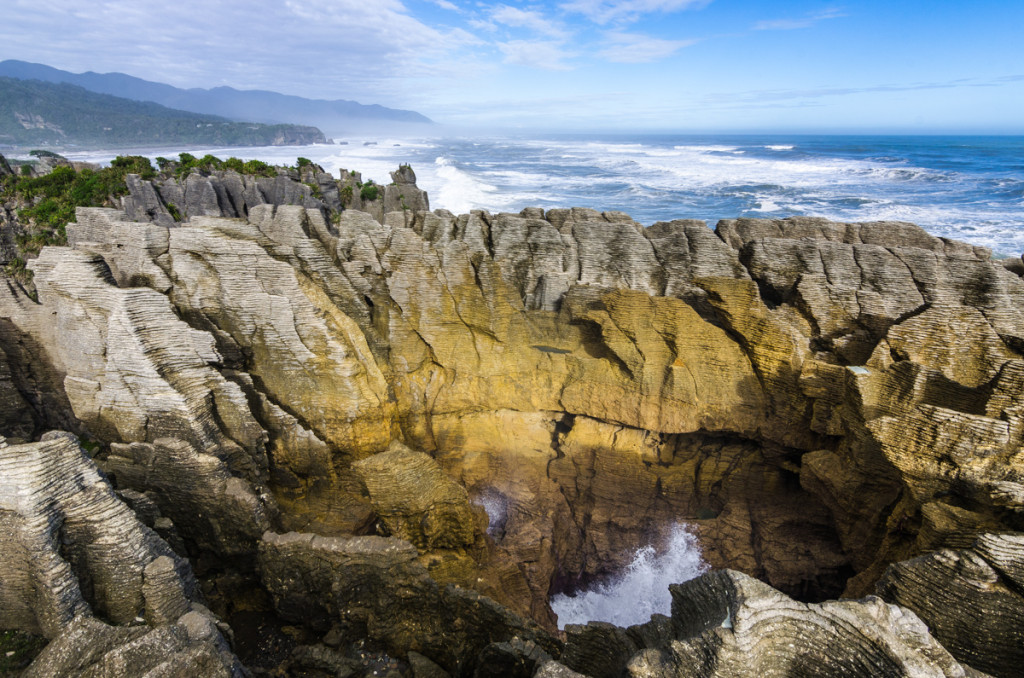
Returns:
<point x="80" y="569"/>
<point x="514" y="403"/>
<point x="731" y="625"/>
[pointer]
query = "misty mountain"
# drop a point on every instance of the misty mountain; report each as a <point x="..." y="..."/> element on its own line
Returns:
<point x="240" y="105"/>
<point x="33" y="112"/>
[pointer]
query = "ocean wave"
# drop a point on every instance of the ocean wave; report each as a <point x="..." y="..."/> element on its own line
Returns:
<point x="949" y="192"/>
<point x="457" y="190"/>
<point x="706" y="149"/>
<point x="640" y="591"/>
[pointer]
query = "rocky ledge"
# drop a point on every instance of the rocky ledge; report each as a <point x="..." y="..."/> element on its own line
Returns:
<point x="290" y="440"/>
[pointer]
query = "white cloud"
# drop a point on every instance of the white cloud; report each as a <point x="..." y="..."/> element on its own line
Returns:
<point x="635" y="48"/>
<point x="605" y="11"/>
<point x="444" y="4"/>
<point x="353" y="49"/>
<point x="792" y="24"/>
<point x="533" y="20"/>
<point x="547" y="55"/>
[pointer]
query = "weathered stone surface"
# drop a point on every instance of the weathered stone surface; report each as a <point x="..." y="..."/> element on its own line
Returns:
<point x="970" y="599"/>
<point x="79" y="568"/>
<point x="136" y="375"/>
<point x="87" y="647"/>
<point x="416" y="500"/>
<point x="376" y="586"/>
<point x="130" y="249"/>
<point x="818" y="400"/>
<point x="555" y="669"/>
<point x="143" y="203"/>
<point x="728" y="624"/>
<point x="70" y="546"/>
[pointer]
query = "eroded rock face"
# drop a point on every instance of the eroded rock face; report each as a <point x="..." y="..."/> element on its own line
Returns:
<point x="971" y="599"/>
<point x="798" y="391"/>
<point x="727" y="624"/>
<point x="375" y="588"/>
<point x="80" y="569"/>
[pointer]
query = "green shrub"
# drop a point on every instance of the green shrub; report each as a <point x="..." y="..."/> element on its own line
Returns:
<point x="259" y="168"/>
<point x="369" y="191"/>
<point x="52" y="199"/>
<point x="134" y="164"/>
<point x="346" y="195"/>
<point x="303" y="162"/>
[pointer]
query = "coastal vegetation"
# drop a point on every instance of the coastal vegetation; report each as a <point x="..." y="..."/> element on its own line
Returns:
<point x="369" y="191"/>
<point x="48" y="202"/>
<point x="45" y="204"/>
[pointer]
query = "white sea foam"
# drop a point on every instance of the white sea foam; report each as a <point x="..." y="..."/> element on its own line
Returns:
<point x="767" y="205"/>
<point x="706" y="149"/>
<point x="641" y="590"/>
<point x="656" y="182"/>
<point x="459" y="191"/>
<point x="496" y="506"/>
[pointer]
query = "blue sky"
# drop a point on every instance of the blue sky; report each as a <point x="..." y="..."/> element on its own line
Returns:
<point x="664" y="65"/>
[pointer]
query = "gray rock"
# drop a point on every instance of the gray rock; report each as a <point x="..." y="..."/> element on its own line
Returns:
<point x="970" y="599"/>
<point x="728" y="624"/>
<point x="143" y="203"/>
<point x="553" y="669"/>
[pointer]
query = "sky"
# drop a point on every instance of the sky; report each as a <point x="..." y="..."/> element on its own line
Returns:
<point x="588" y="65"/>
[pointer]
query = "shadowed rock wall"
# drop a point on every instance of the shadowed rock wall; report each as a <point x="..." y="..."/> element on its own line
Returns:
<point x="819" y="400"/>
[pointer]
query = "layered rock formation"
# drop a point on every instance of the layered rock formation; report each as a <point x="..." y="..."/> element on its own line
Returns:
<point x="226" y="193"/>
<point x="359" y="422"/>
<point x="80" y="569"/>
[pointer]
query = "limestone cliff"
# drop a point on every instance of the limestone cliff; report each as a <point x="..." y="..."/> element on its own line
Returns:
<point x="279" y="381"/>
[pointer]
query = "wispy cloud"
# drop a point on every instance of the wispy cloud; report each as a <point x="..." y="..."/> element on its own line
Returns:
<point x="800" y="22"/>
<point x="547" y="55"/>
<point x="635" y="48"/>
<point x="444" y="4"/>
<point x="529" y="19"/>
<point x="606" y="11"/>
<point x="378" y="48"/>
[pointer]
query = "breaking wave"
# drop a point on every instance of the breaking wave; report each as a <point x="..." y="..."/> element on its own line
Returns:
<point x="639" y="591"/>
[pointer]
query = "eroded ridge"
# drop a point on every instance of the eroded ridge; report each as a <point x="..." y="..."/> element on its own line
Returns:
<point x="817" y="400"/>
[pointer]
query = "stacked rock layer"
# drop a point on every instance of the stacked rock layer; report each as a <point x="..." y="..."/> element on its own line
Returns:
<point x="833" y="407"/>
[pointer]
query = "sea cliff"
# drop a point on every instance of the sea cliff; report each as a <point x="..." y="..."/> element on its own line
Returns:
<point x="261" y="439"/>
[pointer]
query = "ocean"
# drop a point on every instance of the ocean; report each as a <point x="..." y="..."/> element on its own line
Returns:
<point x="965" y="187"/>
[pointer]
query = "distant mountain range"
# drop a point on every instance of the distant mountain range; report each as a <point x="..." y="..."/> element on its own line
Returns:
<point x="240" y="105"/>
<point x="44" y="113"/>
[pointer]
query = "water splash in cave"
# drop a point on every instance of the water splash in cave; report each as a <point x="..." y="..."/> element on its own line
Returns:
<point x="641" y="589"/>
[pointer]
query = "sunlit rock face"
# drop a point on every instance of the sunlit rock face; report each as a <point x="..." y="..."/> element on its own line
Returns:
<point x="528" y="398"/>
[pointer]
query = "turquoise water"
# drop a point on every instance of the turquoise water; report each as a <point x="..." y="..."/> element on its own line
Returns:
<point x="970" y="188"/>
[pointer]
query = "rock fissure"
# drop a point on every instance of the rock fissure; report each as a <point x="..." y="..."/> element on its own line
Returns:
<point x="270" y="373"/>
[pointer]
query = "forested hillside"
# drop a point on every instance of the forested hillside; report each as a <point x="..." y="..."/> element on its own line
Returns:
<point x="39" y="113"/>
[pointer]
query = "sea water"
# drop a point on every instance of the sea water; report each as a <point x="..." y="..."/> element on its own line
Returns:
<point x="965" y="187"/>
<point x="639" y="591"/>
